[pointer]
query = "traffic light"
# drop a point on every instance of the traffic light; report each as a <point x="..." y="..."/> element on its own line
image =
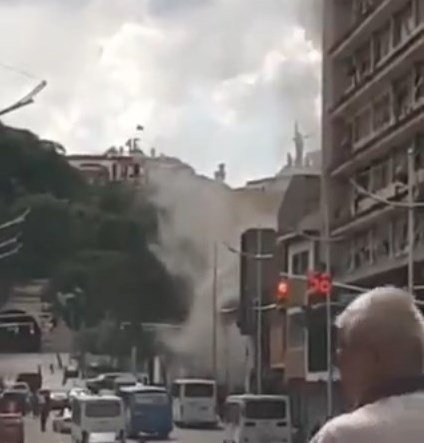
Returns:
<point x="318" y="286"/>
<point x="282" y="292"/>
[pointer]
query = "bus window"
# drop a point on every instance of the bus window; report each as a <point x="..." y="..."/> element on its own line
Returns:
<point x="266" y="409"/>
<point x="103" y="409"/>
<point x="176" y="390"/>
<point x="151" y="398"/>
<point x="193" y="390"/>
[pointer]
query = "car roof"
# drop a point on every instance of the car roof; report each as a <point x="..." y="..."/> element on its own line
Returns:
<point x="142" y="388"/>
<point x="246" y="397"/>
<point x="88" y="398"/>
<point x="195" y="380"/>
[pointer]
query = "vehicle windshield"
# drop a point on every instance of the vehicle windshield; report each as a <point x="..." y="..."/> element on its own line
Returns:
<point x="103" y="408"/>
<point x="265" y="409"/>
<point x="151" y="398"/>
<point x="20" y="386"/>
<point x="199" y="390"/>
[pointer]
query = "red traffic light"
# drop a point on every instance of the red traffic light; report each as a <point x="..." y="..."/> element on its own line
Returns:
<point x="319" y="283"/>
<point x="282" y="290"/>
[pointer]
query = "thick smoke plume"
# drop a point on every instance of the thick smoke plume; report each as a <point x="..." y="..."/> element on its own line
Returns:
<point x="201" y="213"/>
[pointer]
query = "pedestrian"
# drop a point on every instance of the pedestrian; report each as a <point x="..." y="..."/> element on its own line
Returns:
<point x="51" y="366"/>
<point x="381" y="361"/>
<point x="45" y="411"/>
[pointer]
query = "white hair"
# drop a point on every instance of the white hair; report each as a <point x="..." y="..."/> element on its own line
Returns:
<point x="386" y="317"/>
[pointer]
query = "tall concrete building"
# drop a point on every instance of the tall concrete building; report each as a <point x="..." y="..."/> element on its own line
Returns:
<point x="373" y="114"/>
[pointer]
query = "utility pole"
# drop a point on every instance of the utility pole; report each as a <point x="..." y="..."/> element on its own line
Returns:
<point x="259" y="313"/>
<point x="325" y="246"/>
<point x="411" y="219"/>
<point x="215" y="312"/>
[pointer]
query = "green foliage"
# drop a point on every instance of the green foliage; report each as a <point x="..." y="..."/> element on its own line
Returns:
<point x="95" y="237"/>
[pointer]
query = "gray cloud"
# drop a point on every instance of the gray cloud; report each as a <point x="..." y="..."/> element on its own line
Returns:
<point x="212" y="80"/>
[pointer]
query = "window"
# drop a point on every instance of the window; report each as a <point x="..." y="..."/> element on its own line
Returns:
<point x="300" y="263"/>
<point x="151" y="398"/>
<point x="382" y="45"/>
<point x="364" y="179"/>
<point x="176" y="390"/>
<point x="400" y="166"/>
<point x="103" y="409"/>
<point x="380" y="242"/>
<point x="363" y="61"/>
<point x="362" y="250"/>
<point x="403" y="24"/>
<point x="362" y="125"/>
<point x="380" y="176"/>
<point x="266" y="409"/>
<point x="402" y="97"/>
<point x="400" y="235"/>
<point x="419" y="151"/>
<point x="296" y="330"/>
<point x="382" y="112"/>
<point x="195" y="390"/>
<point x="419" y="82"/>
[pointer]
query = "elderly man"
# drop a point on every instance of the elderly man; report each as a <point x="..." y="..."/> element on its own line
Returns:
<point x="381" y="361"/>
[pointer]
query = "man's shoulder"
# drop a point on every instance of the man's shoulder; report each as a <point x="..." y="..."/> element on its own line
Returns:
<point x="343" y="428"/>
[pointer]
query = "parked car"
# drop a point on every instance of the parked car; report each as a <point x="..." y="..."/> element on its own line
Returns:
<point x="21" y="386"/>
<point x="11" y="428"/>
<point x="75" y="392"/>
<point x="62" y="421"/>
<point x="59" y="399"/>
<point x="14" y="401"/>
<point x="33" y="379"/>
<point x="71" y="371"/>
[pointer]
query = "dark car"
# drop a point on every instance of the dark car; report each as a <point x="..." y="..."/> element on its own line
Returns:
<point x="71" y="372"/>
<point x="14" y="401"/>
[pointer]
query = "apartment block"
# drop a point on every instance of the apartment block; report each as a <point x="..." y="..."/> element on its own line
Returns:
<point x="373" y="114"/>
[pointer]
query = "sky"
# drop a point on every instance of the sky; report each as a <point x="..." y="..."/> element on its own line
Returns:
<point x="211" y="81"/>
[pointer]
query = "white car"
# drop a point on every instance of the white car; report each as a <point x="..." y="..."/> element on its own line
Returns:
<point x="21" y="386"/>
<point x="75" y="392"/>
<point x="62" y="421"/>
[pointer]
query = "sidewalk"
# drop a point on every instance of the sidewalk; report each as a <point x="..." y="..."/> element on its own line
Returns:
<point x="33" y="433"/>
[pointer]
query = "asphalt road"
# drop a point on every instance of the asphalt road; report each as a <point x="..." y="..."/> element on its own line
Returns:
<point x="12" y="364"/>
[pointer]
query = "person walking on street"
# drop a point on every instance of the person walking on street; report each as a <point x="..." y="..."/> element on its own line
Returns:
<point x="381" y="360"/>
<point x="45" y="411"/>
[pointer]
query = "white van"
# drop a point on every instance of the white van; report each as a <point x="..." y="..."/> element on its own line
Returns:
<point x="97" y="414"/>
<point x="194" y="402"/>
<point x="250" y="418"/>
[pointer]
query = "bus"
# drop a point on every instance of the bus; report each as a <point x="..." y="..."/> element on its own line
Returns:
<point x="148" y="411"/>
<point x="94" y="413"/>
<point x="251" y="418"/>
<point x="194" y="402"/>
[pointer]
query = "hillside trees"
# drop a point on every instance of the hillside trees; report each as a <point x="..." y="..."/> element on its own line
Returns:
<point x="92" y="237"/>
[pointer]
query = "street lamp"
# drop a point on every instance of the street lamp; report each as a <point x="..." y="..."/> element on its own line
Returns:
<point x="25" y="101"/>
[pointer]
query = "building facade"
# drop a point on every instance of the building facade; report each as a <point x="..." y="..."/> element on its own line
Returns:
<point x="110" y="167"/>
<point x="373" y="115"/>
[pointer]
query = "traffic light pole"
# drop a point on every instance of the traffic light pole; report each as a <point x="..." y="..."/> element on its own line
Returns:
<point x="259" y="314"/>
<point x="326" y="247"/>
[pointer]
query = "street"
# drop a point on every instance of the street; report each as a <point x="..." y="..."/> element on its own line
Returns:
<point x="34" y="435"/>
<point x="12" y="364"/>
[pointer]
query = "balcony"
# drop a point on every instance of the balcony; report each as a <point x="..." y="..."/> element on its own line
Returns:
<point x="390" y="67"/>
<point x="362" y="28"/>
<point x="380" y="143"/>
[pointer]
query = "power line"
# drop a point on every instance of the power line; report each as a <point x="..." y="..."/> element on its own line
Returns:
<point x="18" y="71"/>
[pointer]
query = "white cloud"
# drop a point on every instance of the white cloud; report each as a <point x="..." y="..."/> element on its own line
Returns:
<point x="211" y="80"/>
